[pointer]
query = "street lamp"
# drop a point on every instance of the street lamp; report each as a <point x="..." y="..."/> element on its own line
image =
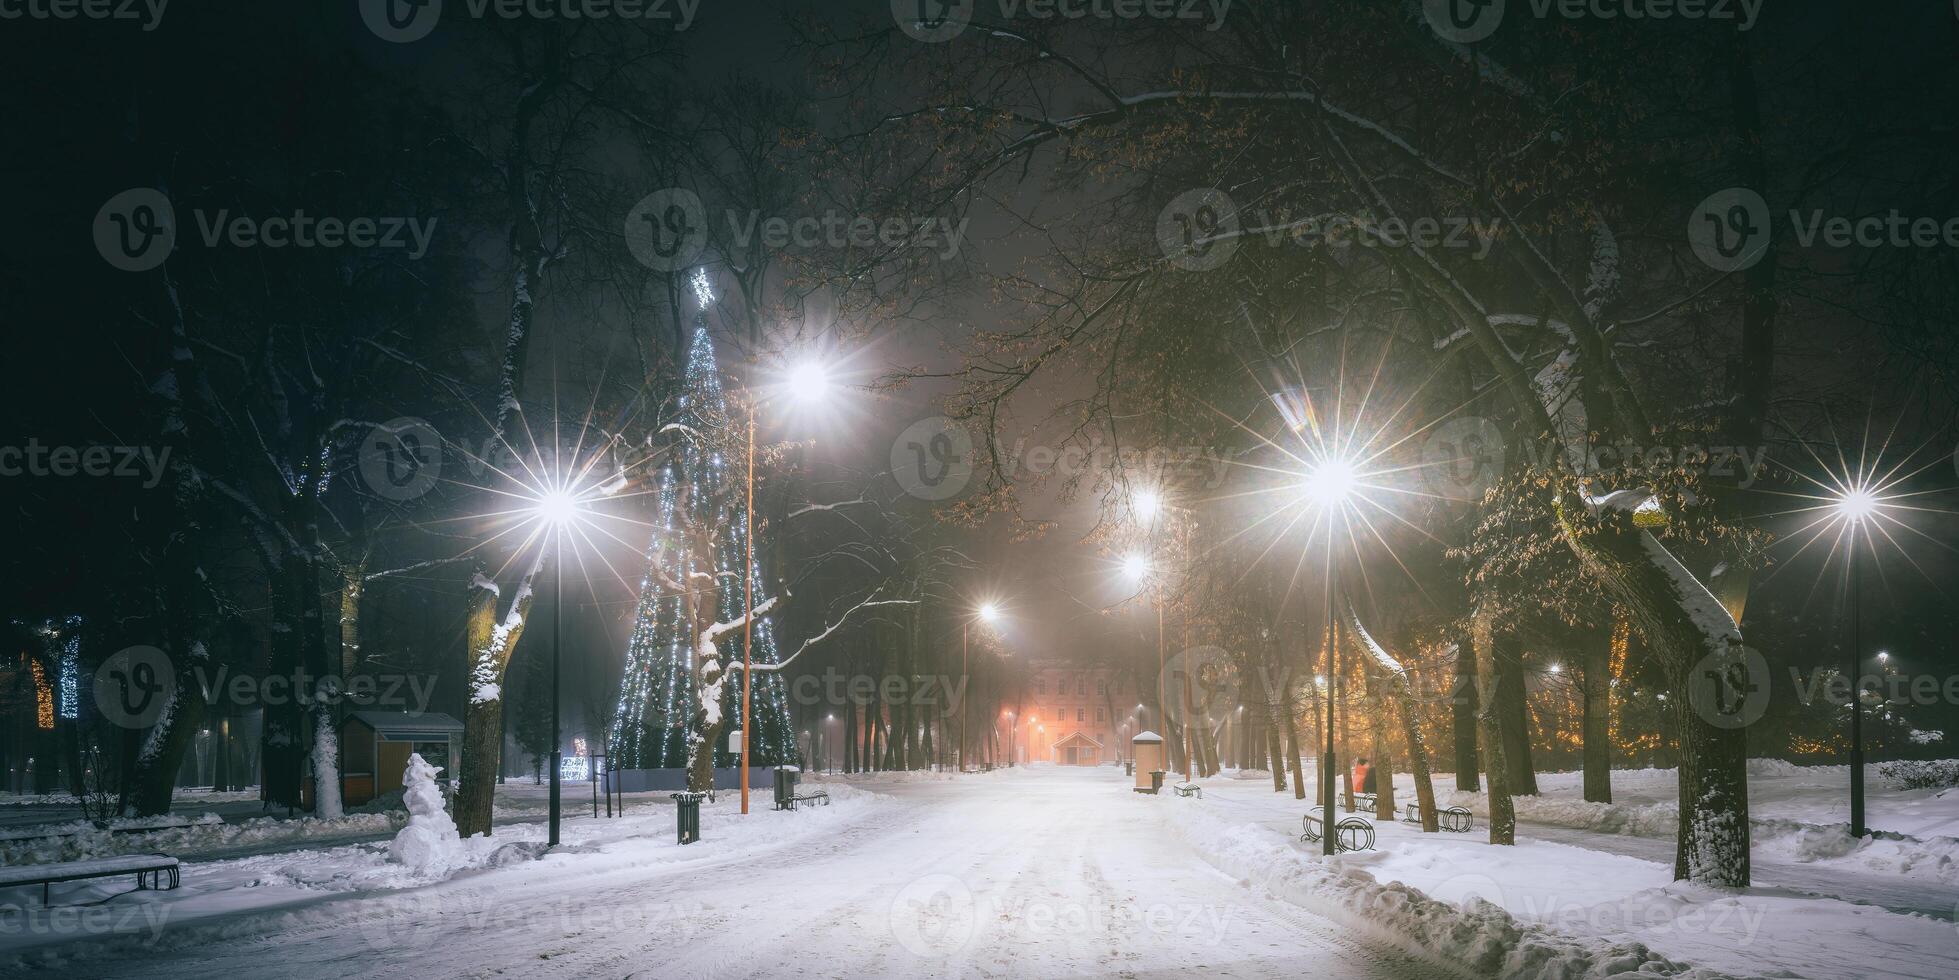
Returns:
<point x="1855" y="505"/>
<point x="1145" y="504"/>
<point x="556" y="508"/>
<point x="1330" y="487"/>
<point x="809" y="382"/>
<point x="988" y="613"/>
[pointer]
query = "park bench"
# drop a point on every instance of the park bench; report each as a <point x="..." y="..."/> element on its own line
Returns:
<point x="1350" y="833"/>
<point x="151" y="871"/>
<point x="1455" y="819"/>
<point x="1364" y="800"/>
<point x="1190" y="789"/>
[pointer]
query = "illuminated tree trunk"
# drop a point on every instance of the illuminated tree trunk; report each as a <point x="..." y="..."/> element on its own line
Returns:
<point x="1503" y="817"/>
<point x="1463" y="713"/>
<point x="1597" y="697"/>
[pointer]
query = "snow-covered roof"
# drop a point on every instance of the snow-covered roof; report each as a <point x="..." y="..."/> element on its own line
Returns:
<point x="1147" y="737"/>
<point x="404" y="722"/>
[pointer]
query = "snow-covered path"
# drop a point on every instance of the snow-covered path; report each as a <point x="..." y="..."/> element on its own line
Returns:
<point x="1042" y="873"/>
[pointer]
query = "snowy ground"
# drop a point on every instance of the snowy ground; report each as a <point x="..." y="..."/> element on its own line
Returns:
<point x="1605" y="872"/>
<point x="1050" y="874"/>
<point x="1038" y="872"/>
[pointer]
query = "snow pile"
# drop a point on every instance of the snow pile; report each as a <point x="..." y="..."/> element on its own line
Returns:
<point x="1632" y="819"/>
<point x="430" y="842"/>
<point x="1476" y="937"/>
<point x="81" y="840"/>
<point x="1937" y="774"/>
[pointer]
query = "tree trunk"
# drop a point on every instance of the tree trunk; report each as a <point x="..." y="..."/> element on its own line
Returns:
<point x="1275" y="755"/>
<point x="1513" y="715"/>
<point x="1463" y="710"/>
<point x="490" y="643"/>
<point x="1503" y="818"/>
<point x="1694" y="638"/>
<point x="1383" y="768"/>
<point x="1292" y="746"/>
<point x="1597" y="697"/>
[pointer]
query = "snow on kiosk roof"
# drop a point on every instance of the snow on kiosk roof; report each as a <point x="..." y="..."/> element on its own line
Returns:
<point x="404" y="726"/>
<point x="1147" y="737"/>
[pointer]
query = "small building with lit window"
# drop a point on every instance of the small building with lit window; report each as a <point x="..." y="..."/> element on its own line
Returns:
<point x="1075" y="716"/>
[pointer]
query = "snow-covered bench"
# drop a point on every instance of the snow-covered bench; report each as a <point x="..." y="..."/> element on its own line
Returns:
<point x="1350" y="833"/>
<point x="151" y="871"/>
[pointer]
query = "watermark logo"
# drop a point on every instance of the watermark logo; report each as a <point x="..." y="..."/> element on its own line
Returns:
<point x="932" y="21"/>
<point x="1463" y="458"/>
<point x="147" y="12"/>
<point x="1469" y="21"/>
<point x="1729" y="230"/>
<point x="134" y="685"/>
<point x="1729" y="689"/>
<point x="667" y="230"/>
<point x="934" y="916"/>
<point x="1199" y="686"/>
<point x="401" y="21"/>
<point x="1204" y="466"/>
<point x="401" y="459"/>
<point x="136" y="230"/>
<point x="404" y="21"/>
<point x="1463" y="21"/>
<point x="1198" y="230"/>
<point x="933" y="458"/>
<point x="935" y="21"/>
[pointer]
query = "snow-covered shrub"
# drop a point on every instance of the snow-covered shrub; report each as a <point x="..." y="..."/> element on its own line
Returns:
<point x="1925" y="774"/>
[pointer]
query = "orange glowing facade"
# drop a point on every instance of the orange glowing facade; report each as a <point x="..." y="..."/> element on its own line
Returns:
<point x="1075" y="716"/>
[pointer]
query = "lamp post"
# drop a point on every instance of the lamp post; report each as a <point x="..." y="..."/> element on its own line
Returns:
<point x="1855" y="505"/>
<point x="809" y="381"/>
<point x="1329" y="487"/>
<point x="556" y="508"/>
<point x="988" y="613"/>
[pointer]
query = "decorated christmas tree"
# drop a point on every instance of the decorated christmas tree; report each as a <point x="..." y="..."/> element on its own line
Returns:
<point x="687" y="629"/>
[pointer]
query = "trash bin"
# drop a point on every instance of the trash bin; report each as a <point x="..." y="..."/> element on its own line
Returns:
<point x="687" y="816"/>
<point x="785" y="787"/>
<point x="1146" y="756"/>
<point x="1156" y="781"/>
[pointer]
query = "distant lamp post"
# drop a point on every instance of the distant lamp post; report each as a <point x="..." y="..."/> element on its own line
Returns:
<point x="987" y="613"/>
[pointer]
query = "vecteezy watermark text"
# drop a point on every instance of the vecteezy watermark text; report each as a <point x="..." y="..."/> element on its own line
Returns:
<point x="933" y="21"/>
<point x="668" y="229"/>
<point x="405" y="21"/>
<point x="123" y="462"/>
<point x="148" y="12"/>
<point x="136" y="230"/>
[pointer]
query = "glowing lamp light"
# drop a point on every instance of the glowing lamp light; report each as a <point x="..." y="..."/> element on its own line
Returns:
<point x="1556" y="668"/>
<point x="809" y="381"/>
<point x="1135" y="567"/>
<point x="1146" y="504"/>
<point x="989" y="612"/>
<point x="557" y="508"/>
<point x="1856" y="504"/>
<point x="1331" y="482"/>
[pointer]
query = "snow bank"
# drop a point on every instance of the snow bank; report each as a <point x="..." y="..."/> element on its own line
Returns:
<point x="1477" y="937"/>
<point x="207" y="833"/>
